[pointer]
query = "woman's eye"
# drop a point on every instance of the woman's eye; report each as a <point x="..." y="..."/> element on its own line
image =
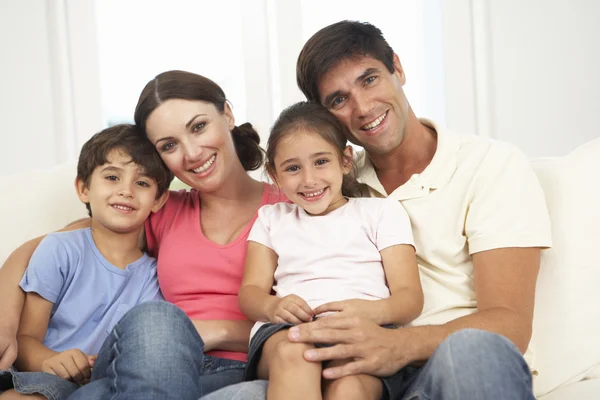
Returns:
<point x="198" y="126"/>
<point x="167" y="146"/>
<point x="111" y="178"/>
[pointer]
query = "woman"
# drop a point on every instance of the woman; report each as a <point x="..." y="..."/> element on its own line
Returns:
<point x="199" y="239"/>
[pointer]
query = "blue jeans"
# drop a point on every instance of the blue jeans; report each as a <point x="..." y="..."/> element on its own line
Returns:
<point x="155" y="352"/>
<point x="469" y="365"/>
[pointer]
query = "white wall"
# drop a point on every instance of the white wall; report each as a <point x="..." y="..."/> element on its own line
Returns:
<point x="534" y="71"/>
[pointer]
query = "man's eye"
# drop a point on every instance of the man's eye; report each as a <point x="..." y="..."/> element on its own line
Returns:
<point x="370" y="79"/>
<point x="337" y="101"/>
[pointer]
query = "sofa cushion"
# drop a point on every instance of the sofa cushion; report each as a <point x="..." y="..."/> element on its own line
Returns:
<point x="566" y="335"/>
<point x="35" y="203"/>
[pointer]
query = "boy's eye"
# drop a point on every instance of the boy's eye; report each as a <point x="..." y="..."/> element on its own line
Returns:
<point x="321" y="161"/>
<point x="111" y="178"/>
<point x="143" y="183"/>
<point x="292" y="168"/>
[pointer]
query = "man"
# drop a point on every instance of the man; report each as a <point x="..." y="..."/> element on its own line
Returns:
<point x="479" y="220"/>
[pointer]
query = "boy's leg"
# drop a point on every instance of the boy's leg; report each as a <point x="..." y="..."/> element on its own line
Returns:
<point x="290" y="375"/>
<point x="12" y="394"/>
<point x="154" y="352"/>
<point x="353" y="387"/>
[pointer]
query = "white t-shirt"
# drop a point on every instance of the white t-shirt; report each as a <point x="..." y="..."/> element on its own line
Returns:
<point x="477" y="194"/>
<point x="335" y="256"/>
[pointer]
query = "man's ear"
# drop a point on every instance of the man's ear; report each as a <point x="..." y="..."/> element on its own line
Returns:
<point x="82" y="191"/>
<point x="399" y="70"/>
<point x="160" y="201"/>
<point x="229" y="116"/>
<point x="348" y="161"/>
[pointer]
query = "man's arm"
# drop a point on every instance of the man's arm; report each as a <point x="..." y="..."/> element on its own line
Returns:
<point x="505" y="290"/>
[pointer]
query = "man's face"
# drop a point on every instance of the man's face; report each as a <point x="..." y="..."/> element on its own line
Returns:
<point x="369" y="100"/>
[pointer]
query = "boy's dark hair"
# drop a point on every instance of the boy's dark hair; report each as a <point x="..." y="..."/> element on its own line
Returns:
<point x="189" y="86"/>
<point x="334" y="44"/>
<point x="314" y="118"/>
<point x="130" y="140"/>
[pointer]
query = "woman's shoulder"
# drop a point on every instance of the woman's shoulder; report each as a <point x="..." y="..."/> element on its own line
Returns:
<point x="178" y="201"/>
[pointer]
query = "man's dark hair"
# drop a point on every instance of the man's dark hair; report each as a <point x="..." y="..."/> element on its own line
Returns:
<point x="334" y="44"/>
<point x="131" y="140"/>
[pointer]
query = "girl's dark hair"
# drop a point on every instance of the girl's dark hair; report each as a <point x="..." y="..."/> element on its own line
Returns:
<point x="317" y="119"/>
<point x="188" y="86"/>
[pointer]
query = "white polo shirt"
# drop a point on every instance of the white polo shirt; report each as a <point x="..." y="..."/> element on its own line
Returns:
<point x="477" y="194"/>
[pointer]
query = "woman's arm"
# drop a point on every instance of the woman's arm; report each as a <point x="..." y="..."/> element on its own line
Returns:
<point x="12" y="297"/>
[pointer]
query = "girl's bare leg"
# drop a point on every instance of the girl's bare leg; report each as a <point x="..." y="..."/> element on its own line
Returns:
<point x="290" y="375"/>
<point x="352" y="387"/>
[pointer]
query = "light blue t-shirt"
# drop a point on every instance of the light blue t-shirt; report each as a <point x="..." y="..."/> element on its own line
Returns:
<point x="90" y="294"/>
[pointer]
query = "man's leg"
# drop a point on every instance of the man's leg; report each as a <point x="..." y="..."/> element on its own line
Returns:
<point x="470" y="365"/>
<point x="154" y="352"/>
<point x="253" y="390"/>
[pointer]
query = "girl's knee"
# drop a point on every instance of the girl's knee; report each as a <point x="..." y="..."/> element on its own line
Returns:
<point x="289" y="352"/>
<point x="351" y="387"/>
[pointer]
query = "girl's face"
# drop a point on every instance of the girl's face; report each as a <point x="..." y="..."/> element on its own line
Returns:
<point x="310" y="171"/>
<point x="194" y="140"/>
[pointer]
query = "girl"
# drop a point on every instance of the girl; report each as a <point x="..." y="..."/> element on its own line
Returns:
<point x="325" y="253"/>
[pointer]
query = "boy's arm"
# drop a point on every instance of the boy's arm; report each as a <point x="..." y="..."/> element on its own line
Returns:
<point x="12" y="297"/>
<point x="32" y="331"/>
<point x="406" y="294"/>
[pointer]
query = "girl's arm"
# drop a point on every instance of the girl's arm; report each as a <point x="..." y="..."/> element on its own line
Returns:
<point x="255" y="298"/>
<point x="406" y="294"/>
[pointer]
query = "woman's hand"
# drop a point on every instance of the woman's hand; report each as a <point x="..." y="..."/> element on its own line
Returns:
<point x="290" y="309"/>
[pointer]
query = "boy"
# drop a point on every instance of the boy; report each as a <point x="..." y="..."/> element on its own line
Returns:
<point x="80" y="283"/>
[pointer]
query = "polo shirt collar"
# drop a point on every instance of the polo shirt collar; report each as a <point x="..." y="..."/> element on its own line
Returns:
<point x="439" y="171"/>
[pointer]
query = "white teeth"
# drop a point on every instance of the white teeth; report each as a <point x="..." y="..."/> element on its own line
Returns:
<point x="206" y="165"/>
<point x="313" y="194"/>
<point x="375" y="123"/>
<point x="120" y="207"/>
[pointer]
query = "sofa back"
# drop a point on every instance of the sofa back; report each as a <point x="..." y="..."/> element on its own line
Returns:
<point x="35" y="203"/>
<point x="566" y="336"/>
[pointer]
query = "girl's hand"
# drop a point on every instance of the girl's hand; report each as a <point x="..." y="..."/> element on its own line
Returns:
<point x="73" y="365"/>
<point x="351" y="308"/>
<point x="290" y="309"/>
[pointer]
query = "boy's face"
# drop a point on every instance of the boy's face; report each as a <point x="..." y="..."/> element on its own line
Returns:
<point x="120" y="195"/>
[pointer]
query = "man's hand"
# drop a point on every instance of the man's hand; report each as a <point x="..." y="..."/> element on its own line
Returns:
<point x="73" y="365"/>
<point x="290" y="309"/>
<point x="374" y="350"/>
<point x="350" y="308"/>
<point x="8" y="348"/>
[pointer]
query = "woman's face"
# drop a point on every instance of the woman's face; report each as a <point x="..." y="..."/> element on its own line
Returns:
<point x="194" y="140"/>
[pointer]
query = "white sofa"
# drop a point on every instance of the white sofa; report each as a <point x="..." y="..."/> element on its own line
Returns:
<point x="567" y="316"/>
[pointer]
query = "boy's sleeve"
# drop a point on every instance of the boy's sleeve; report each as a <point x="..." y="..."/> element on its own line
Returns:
<point x="47" y="269"/>
<point x="151" y="290"/>
<point x="261" y="230"/>
<point x="394" y="226"/>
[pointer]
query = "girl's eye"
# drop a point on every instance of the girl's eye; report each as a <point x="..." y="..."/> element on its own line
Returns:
<point x="198" y="126"/>
<point x="292" y="168"/>
<point x="111" y="178"/>
<point x="321" y="161"/>
<point x="167" y="146"/>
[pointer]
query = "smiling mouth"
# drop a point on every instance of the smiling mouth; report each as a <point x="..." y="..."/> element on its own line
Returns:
<point x="206" y="165"/>
<point x="122" y="207"/>
<point x="312" y="195"/>
<point x="374" y="124"/>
